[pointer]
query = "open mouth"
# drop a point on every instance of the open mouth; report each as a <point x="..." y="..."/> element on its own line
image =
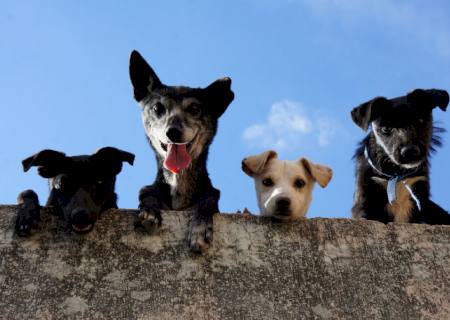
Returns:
<point x="188" y="145"/>
<point x="177" y="155"/>
<point x="82" y="228"/>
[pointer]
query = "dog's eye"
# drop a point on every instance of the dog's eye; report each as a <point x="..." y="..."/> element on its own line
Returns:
<point x="158" y="109"/>
<point x="299" y="183"/>
<point x="267" y="182"/>
<point x="386" y="130"/>
<point x="194" y="109"/>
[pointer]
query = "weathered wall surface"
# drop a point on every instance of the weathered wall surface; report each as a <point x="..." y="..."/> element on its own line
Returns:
<point x="256" y="269"/>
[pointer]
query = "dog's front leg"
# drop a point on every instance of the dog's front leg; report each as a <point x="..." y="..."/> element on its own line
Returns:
<point x="28" y="213"/>
<point x="430" y="212"/>
<point x="151" y="202"/>
<point x="359" y="209"/>
<point x="369" y="199"/>
<point x="435" y="214"/>
<point x="201" y="226"/>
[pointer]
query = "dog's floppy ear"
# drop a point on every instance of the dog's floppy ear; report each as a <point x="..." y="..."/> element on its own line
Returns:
<point x="125" y="156"/>
<point x="50" y="163"/>
<point x="254" y="165"/>
<point x="142" y="76"/>
<point x="365" y="113"/>
<point x="219" y="96"/>
<point x="322" y="174"/>
<point x="109" y="159"/>
<point x="432" y="97"/>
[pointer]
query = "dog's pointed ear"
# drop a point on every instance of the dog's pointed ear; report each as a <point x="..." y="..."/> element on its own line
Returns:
<point x="431" y="97"/>
<point x="219" y="96"/>
<point x="320" y="173"/>
<point x="50" y="163"/>
<point x="365" y="113"/>
<point x="109" y="159"/>
<point x="143" y="78"/>
<point x="254" y="165"/>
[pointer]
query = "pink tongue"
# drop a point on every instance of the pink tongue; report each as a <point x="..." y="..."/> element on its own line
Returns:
<point x="177" y="157"/>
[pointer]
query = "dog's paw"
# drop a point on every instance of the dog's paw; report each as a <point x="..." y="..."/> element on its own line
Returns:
<point x="27" y="218"/>
<point x="150" y="220"/>
<point x="200" y="235"/>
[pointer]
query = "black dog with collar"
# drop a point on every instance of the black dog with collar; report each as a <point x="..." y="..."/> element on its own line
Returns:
<point x="392" y="161"/>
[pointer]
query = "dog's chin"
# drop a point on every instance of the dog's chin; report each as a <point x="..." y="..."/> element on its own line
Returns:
<point x="411" y="165"/>
<point x="82" y="228"/>
<point x="281" y="216"/>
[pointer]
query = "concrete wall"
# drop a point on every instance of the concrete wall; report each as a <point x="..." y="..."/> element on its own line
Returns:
<point x="311" y="269"/>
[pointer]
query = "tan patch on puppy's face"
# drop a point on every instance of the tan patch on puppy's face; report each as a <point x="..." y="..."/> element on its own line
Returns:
<point x="284" y="188"/>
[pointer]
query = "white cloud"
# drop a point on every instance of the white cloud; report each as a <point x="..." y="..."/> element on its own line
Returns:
<point x="289" y="125"/>
<point x="418" y="20"/>
<point x="289" y="116"/>
<point x="327" y="128"/>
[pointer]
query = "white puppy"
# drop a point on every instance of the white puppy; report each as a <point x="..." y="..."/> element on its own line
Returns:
<point x="284" y="188"/>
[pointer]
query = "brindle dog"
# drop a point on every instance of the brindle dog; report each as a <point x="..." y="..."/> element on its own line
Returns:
<point x="180" y="123"/>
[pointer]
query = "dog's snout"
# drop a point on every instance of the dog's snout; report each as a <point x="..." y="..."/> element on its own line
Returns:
<point x="81" y="216"/>
<point x="410" y="153"/>
<point x="283" y="204"/>
<point x="82" y="220"/>
<point x="174" y="134"/>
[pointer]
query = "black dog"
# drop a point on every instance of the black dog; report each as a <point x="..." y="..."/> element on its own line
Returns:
<point x="392" y="162"/>
<point x="180" y="123"/>
<point x="81" y="187"/>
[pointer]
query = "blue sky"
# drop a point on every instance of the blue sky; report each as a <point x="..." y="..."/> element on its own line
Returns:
<point x="298" y="68"/>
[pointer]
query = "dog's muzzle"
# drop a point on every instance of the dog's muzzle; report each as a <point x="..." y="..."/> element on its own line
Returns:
<point x="82" y="221"/>
<point x="81" y="212"/>
<point x="175" y="135"/>
<point x="177" y="156"/>
<point x="283" y="207"/>
<point x="410" y="154"/>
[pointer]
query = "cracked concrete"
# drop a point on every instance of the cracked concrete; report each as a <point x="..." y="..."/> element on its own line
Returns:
<point x="255" y="269"/>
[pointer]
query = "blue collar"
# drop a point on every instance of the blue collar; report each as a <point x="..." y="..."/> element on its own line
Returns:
<point x="392" y="182"/>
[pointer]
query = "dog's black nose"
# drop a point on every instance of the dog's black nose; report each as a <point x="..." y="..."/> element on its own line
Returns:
<point x="283" y="204"/>
<point x="174" y="134"/>
<point x="410" y="153"/>
<point x="81" y="217"/>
